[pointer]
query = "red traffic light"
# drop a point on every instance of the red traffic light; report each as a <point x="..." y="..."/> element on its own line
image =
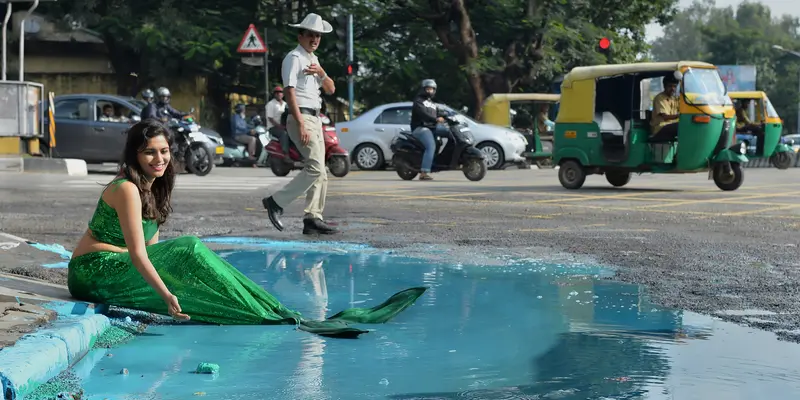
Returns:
<point x="605" y="43"/>
<point x="349" y="69"/>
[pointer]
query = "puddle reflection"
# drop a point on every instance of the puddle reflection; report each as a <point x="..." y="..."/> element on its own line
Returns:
<point x="529" y="330"/>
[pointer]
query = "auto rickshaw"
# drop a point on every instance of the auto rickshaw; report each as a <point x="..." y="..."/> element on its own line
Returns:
<point x="761" y="129"/>
<point x="497" y="111"/>
<point x="601" y="127"/>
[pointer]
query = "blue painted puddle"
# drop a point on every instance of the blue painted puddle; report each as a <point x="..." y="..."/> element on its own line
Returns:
<point x="524" y="331"/>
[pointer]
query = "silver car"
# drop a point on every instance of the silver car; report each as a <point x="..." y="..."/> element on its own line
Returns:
<point x="369" y="136"/>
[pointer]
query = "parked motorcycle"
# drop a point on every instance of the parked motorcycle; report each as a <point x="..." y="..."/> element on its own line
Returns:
<point x="336" y="158"/>
<point x="459" y="152"/>
<point x="191" y="150"/>
<point x="236" y="154"/>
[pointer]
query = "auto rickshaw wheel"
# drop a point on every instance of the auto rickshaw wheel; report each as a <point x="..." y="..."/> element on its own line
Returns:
<point x="728" y="181"/>
<point x="571" y="174"/>
<point x="782" y="160"/>
<point x="618" y="178"/>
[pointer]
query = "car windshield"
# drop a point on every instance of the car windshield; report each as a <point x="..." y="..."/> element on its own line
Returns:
<point x="704" y="87"/>
<point x="771" y="113"/>
<point x="460" y="117"/>
<point x="138" y="103"/>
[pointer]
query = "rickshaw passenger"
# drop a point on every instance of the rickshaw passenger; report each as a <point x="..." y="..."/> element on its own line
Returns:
<point x="666" y="110"/>
<point x="543" y="122"/>
<point x="744" y="124"/>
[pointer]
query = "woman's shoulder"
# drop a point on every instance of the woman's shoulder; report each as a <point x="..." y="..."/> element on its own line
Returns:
<point x="118" y="190"/>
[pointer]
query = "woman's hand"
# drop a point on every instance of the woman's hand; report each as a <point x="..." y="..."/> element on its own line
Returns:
<point x="174" y="308"/>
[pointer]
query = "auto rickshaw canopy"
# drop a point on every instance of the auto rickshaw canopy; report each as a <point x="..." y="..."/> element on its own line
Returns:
<point x="577" y="103"/>
<point x="752" y="95"/>
<point x="497" y="107"/>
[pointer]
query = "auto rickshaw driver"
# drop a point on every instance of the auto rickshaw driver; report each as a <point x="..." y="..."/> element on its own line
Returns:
<point x="666" y="112"/>
<point x="745" y="125"/>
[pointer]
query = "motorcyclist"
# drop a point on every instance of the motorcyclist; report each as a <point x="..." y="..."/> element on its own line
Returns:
<point x="241" y="132"/>
<point x="424" y="122"/>
<point x="164" y="108"/>
<point x="151" y="109"/>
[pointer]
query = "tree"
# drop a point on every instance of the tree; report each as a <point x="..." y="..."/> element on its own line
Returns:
<point x="509" y="45"/>
<point x="742" y="36"/>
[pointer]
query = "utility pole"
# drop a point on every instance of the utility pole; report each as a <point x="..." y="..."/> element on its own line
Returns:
<point x="266" y="73"/>
<point x="351" y="77"/>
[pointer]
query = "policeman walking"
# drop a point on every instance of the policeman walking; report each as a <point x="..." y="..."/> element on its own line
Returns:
<point x="302" y="79"/>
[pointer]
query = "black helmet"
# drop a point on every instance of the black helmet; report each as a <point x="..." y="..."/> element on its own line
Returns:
<point x="239" y="108"/>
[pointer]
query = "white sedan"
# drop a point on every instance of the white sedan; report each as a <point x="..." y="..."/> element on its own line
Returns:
<point x="369" y="136"/>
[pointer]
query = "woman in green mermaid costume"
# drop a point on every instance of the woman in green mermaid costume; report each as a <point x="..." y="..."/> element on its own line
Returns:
<point x="119" y="260"/>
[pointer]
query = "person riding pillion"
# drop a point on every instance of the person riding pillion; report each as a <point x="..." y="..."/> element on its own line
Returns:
<point x="424" y="123"/>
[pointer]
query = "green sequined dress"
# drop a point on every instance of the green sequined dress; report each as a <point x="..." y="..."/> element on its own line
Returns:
<point x="209" y="288"/>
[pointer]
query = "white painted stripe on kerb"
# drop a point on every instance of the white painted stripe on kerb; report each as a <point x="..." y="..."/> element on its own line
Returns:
<point x="12" y="237"/>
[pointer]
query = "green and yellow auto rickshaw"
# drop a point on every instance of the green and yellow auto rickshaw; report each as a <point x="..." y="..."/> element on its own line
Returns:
<point x="538" y="130"/>
<point x="759" y="127"/>
<point x="604" y="124"/>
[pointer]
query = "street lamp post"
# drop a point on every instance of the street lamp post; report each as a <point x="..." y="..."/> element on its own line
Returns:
<point x="796" y="54"/>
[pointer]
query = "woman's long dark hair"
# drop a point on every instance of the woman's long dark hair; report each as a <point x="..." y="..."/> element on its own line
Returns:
<point x="156" y="200"/>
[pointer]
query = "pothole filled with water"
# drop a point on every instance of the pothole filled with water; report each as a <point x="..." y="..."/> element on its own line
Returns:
<point x="525" y="330"/>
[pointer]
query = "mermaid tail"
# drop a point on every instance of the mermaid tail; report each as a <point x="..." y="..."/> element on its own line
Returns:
<point x="209" y="289"/>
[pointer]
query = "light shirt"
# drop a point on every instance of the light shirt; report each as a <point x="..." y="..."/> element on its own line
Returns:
<point x="663" y="104"/>
<point x="274" y="111"/>
<point x="306" y="87"/>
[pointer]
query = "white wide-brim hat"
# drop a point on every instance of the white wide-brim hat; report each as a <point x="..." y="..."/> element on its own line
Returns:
<point x="315" y="23"/>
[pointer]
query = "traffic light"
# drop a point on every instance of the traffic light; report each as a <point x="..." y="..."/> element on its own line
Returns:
<point x="604" y="45"/>
<point x="351" y="68"/>
<point x="341" y="35"/>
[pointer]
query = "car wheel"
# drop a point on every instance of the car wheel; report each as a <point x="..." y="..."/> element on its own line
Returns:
<point x="368" y="157"/>
<point x="494" y="155"/>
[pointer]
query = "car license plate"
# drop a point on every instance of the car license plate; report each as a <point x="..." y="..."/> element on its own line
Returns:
<point x="220" y="150"/>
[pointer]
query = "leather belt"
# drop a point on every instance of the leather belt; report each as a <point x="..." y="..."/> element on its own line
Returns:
<point x="309" y="111"/>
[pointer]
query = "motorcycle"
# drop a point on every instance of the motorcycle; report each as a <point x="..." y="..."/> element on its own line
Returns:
<point x="459" y="152"/>
<point x="236" y="153"/>
<point x="192" y="150"/>
<point x="337" y="159"/>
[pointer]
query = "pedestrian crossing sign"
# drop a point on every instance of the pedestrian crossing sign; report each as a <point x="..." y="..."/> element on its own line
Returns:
<point x="252" y="42"/>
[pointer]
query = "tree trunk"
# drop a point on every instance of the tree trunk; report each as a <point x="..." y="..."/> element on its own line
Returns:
<point x="462" y="42"/>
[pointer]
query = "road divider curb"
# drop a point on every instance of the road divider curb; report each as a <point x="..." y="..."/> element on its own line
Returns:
<point x="37" y="357"/>
<point x="766" y="163"/>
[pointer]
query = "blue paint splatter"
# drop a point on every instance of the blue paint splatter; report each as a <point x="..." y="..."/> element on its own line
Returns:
<point x="288" y="244"/>
<point x="54" y="248"/>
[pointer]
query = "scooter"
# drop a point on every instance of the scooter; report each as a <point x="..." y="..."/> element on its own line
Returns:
<point x="336" y="158"/>
<point x="192" y="150"/>
<point x="236" y="154"/>
<point x="459" y="152"/>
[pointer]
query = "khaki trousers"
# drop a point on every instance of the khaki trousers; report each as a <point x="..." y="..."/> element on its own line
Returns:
<point x="313" y="179"/>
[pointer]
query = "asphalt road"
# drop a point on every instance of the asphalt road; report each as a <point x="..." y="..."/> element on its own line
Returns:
<point x="694" y="246"/>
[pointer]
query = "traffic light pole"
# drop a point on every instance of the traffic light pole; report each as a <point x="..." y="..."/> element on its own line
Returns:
<point x="350" y="84"/>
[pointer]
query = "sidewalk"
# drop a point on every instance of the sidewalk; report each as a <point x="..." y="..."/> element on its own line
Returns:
<point x="18" y="319"/>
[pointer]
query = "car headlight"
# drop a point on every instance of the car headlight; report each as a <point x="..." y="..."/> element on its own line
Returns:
<point x="742" y="148"/>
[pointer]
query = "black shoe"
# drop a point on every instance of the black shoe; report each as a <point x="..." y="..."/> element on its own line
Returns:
<point x="317" y="226"/>
<point x="274" y="211"/>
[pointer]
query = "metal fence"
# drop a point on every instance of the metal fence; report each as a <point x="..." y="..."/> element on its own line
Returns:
<point x="21" y="109"/>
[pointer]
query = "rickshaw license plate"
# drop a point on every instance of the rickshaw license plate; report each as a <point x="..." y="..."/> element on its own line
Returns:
<point x="571" y="134"/>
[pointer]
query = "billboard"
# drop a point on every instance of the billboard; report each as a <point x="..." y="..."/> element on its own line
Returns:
<point x="738" y="78"/>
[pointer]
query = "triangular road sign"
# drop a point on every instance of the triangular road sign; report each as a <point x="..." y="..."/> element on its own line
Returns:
<point x="252" y="42"/>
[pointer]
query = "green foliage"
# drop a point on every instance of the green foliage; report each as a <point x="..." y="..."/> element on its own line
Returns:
<point x="520" y="45"/>
<point x="742" y="36"/>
